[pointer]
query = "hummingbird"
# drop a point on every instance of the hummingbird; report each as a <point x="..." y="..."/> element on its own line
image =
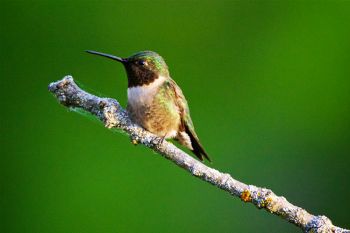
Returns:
<point x="156" y="102"/>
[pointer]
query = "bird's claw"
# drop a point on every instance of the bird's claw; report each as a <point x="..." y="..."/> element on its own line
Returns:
<point x="161" y="140"/>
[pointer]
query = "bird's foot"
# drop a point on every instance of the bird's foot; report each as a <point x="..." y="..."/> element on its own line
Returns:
<point x="162" y="140"/>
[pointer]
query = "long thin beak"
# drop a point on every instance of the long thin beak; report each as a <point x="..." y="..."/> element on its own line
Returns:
<point x="122" y="60"/>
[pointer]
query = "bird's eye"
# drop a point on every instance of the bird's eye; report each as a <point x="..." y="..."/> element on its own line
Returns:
<point x="141" y="62"/>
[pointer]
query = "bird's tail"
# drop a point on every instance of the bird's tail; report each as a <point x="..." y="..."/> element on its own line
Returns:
<point x="198" y="149"/>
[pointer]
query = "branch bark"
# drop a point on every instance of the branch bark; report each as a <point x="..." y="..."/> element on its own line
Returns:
<point x="113" y="115"/>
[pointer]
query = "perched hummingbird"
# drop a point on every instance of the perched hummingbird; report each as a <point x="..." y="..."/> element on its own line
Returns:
<point x="156" y="102"/>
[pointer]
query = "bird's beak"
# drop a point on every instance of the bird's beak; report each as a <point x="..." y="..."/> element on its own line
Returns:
<point x="122" y="60"/>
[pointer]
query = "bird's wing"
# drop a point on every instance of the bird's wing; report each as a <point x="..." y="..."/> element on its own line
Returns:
<point x="186" y="121"/>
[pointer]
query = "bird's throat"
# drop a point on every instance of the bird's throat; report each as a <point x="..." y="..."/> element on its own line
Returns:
<point x="138" y="77"/>
<point x="143" y="94"/>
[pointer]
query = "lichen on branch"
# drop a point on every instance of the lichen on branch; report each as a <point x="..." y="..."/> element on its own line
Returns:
<point x="113" y="115"/>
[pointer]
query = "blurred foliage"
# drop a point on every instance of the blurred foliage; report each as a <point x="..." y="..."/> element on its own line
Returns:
<point x="269" y="91"/>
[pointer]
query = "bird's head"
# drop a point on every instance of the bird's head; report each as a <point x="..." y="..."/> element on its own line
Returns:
<point x="142" y="68"/>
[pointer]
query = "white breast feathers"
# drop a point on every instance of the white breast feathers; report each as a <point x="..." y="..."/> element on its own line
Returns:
<point x="142" y="95"/>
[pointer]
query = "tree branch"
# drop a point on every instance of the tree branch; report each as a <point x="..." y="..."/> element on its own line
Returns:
<point x="114" y="116"/>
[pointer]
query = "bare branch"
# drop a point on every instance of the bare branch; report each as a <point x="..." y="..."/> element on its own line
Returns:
<point x="114" y="116"/>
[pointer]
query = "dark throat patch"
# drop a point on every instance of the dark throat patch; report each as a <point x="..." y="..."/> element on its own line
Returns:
<point x="138" y="76"/>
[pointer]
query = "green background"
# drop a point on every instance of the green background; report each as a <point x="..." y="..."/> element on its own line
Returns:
<point x="269" y="91"/>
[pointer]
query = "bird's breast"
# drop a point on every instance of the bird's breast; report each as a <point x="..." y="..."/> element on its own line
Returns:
<point x="150" y="107"/>
<point x="143" y="95"/>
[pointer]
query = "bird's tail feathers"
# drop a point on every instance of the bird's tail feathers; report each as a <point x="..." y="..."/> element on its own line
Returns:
<point x="198" y="149"/>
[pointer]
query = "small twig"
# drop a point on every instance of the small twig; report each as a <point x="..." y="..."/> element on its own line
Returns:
<point x="114" y="116"/>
